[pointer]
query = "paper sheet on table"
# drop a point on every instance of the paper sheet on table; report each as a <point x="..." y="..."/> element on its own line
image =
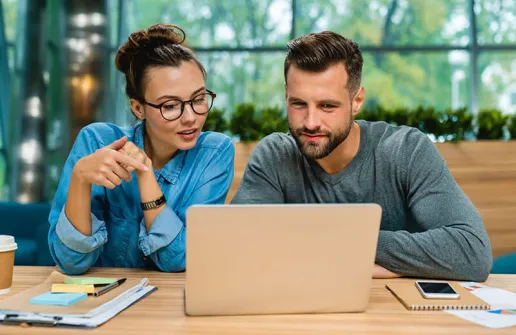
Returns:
<point x="498" y="299"/>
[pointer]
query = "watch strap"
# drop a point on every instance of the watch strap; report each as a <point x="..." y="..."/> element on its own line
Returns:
<point x="154" y="203"/>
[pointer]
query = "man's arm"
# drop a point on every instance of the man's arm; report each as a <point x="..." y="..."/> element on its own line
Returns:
<point x="260" y="183"/>
<point x="454" y="243"/>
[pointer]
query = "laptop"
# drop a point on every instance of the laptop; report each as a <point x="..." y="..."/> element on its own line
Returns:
<point x="280" y="259"/>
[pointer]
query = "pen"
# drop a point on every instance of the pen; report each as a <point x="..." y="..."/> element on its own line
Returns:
<point x="109" y="287"/>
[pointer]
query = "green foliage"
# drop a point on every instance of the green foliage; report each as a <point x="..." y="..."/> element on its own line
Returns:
<point x="511" y="126"/>
<point x="244" y="123"/>
<point x="250" y="125"/>
<point x="216" y="121"/>
<point x="456" y="124"/>
<point x="491" y="123"/>
<point x="446" y="125"/>
<point x="427" y="120"/>
<point x="272" y="120"/>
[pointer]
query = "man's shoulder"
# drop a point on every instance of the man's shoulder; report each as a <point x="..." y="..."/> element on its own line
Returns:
<point x="393" y="140"/>
<point x="277" y="144"/>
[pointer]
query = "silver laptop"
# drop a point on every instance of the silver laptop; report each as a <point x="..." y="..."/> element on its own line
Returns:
<point x="280" y="259"/>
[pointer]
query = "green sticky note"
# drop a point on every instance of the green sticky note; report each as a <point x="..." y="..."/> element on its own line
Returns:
<point x="89" y="281"/>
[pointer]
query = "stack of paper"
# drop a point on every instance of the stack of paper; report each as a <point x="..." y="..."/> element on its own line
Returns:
<point x="503" y="307"/>
<point x="90" y="312"/>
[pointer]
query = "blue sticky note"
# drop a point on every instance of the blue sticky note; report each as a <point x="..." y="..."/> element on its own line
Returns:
<point x="58" y="299"/>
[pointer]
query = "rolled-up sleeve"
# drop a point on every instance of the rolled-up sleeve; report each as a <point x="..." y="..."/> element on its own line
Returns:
<point x="164" y="229"/>
<point x="75" y="240"/>
<point x="72" y="251"/>
<point x="164" y="243"/>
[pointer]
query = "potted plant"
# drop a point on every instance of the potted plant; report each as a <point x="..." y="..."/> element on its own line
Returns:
<point x="456" y="124"/>
<point x="216" y="121"/>
<point x="273" y="120"/>
<point x="491" y="123"/>
<point x="511" y="126"/>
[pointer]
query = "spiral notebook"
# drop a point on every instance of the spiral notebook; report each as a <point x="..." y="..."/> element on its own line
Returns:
<point x="408" y="294"/>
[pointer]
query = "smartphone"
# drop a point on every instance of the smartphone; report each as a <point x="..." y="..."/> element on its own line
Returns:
<point x="436" y="290"/>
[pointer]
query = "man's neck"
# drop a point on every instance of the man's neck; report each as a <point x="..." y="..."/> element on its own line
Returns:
<point x="342" y="155"/>
<point x="158" y="151"/>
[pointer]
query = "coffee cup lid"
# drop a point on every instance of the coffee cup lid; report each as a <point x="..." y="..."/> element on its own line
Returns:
<point x="7" y="243"/>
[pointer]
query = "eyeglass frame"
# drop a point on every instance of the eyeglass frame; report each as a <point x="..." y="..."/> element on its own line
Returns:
<point x="212" y="94"/>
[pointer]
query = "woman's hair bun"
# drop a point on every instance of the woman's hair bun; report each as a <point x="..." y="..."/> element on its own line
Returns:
<point x="155" y="35"/>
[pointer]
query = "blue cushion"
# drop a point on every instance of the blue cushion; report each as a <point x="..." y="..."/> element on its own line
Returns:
<point x="26" y="252"/>
<point x="28" y="223"/>
<point x="504" y="264"/>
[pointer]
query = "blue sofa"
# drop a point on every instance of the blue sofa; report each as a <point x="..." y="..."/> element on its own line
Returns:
<point x="504" y="264"/>
<point x="28" y="223"/>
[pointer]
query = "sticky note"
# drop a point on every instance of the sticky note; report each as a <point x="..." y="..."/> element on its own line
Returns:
<point x="58" y="299"/>
<point x="89" y="281"/>
<point x="70" y="288"/>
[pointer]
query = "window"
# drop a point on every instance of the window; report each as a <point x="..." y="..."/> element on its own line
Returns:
<point x="496" y="21"/>
<point x="410" y="79"/>
<point x="215" y="23"/>
<point x="497" y="87"/>
<point x="238" y="77"/>
<point x="388" y="22"/>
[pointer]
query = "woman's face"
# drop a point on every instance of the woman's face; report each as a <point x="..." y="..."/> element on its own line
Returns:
<point x="171" y="85"/>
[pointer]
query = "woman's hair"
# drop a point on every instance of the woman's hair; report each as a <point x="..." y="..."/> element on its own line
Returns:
<point x="158" y="45"/>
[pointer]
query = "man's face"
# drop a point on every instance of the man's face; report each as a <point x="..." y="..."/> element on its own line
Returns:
<point x="320" y="109"/>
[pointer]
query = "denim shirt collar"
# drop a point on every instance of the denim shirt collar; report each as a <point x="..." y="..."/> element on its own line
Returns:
<point x="173" y="168"/>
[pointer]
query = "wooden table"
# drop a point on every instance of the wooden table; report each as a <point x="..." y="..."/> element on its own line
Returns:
<point x="163" y="313"/>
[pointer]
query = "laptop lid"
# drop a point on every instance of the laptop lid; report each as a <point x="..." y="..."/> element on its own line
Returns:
<point x="270" y="259"/>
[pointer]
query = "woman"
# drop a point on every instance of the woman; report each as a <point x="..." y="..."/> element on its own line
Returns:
<point x="123" y="193"/>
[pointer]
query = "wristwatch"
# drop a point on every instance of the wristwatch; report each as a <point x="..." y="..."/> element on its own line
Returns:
<point x="154" y="203"/>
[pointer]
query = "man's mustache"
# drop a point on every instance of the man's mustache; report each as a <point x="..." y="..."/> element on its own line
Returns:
<point x="316" y="131"/>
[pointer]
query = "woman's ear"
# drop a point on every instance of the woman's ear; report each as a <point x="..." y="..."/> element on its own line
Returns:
<point x="137" y="109"/>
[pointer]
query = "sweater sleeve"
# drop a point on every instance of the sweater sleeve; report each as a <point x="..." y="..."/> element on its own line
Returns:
<point x="453" y="243"/>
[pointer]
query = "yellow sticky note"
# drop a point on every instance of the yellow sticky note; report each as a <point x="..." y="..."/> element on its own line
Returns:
<point x="70" y="288"/>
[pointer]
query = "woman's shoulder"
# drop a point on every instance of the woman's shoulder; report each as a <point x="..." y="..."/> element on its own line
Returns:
<point x="103" y="133"/>
<point x="211" y="140"/>
<point x="97" y="135"/>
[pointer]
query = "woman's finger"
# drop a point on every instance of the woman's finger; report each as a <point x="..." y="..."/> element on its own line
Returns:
<point x="112" y="177"/>
<point x="122" y="172"/>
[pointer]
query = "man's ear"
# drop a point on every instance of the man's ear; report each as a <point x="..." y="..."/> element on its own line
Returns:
<point x="137" y="109"/>
<point x="358" y="100"/>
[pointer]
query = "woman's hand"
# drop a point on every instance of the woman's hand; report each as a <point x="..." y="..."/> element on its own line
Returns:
<point x="105" y="167"/>
<point x="132" y="150"/>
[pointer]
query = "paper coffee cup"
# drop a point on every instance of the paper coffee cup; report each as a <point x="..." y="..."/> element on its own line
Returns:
<point x="7" y="248"/>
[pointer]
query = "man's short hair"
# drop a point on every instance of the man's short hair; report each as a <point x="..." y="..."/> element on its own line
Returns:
<point x="318" y="51"/>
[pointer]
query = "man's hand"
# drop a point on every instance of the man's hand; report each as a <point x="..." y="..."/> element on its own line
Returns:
<point x="382" y="273"/>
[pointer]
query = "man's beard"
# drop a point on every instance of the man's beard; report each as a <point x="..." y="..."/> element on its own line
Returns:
<point x="324" y="147"/>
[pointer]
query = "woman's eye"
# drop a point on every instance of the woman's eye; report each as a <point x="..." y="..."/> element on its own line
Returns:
<point x="171" y="106"/>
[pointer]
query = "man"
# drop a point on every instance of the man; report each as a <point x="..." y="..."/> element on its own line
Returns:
<point x="429" y="226"/>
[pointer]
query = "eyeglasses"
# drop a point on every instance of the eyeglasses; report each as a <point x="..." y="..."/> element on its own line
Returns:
<point x="173" y="109"/>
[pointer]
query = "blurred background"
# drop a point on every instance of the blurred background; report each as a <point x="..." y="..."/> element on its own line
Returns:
<point x="57" y="70"/>
<point x="446" y="67"/>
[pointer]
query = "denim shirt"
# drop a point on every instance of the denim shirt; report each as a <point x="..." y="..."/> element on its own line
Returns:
<point x="201" y="175"/>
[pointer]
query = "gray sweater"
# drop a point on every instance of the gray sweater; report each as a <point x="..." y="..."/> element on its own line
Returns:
<point x="429" y="227"/>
